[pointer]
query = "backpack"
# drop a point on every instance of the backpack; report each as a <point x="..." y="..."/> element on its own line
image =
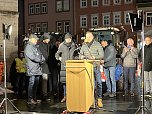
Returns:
<point x="118" y="72"/>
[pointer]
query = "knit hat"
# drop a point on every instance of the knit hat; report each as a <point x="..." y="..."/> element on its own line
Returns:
<point x="149" y="33"/>
<point x="45" y="36"/>
<point x="68" y="35"/>
<point x="33" y="36"/>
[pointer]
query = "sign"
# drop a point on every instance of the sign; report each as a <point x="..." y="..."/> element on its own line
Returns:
<point x="136" y="22"/>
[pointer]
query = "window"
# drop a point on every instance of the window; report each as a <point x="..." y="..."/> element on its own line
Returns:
<point x="106" y="19"/>
<point x="117" y="2"/>
<point x="94" y="20"/>
<point x="83" y="3"/>
<point x="32" y="28"/>
<point x="117" y="18"/>
<point x="148" y="18"/>
<point x="128" y="1"/>
<point x="31" y="9"/>
<point x="66" y="5"/>
<point x="94" y="3"/>
<point x="59" y="27"/>
<point x="66" y="27"/>
<point x="126" y="17"/>
<point x="83" y="21"/>
<point x="44" y="27"/>
<point x="59" y="5"/>
<point x="62" y="5"/>
<point x="44" y="7"/>
<point x="38" y="27"/>
<point x="106" y="2"/>
<point x="37" y="8"/>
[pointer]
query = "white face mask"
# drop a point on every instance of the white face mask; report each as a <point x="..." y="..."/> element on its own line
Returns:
<point x="68" y="40"/>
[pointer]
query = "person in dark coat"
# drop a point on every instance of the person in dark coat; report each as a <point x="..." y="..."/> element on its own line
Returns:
<point x="109" y="62"/>
<point x="43" y="47"/>
<point x="34" y="61"/>
<point x="147" y="64"/>
<point x="65" y="52"/>
<point x="54" y="66"/>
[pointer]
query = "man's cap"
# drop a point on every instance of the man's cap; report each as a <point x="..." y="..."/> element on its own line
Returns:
<point x="149" y="33"/>
<point x="45" y="36"/>
<point x="33" y="36"/>
<point x="68" y="35"/>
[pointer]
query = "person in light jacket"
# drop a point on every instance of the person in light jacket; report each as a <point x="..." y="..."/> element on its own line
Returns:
<point x="129" y="56"/>
<point x="65" y="52"/>
<point x="34" y="61"/>
<point x="92" y="50"/>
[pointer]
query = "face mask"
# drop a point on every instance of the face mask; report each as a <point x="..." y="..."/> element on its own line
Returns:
<point x="129" y="46"/>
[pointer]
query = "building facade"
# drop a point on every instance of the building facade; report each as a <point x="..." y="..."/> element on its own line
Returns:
<point x="9" y="15"/>
<point x="103" y="13"/>
<point x="146" y="7"/>
<point x="49" y="16"/>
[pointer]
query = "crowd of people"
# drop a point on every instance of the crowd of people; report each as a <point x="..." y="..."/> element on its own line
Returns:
<point x="41" y="67"/>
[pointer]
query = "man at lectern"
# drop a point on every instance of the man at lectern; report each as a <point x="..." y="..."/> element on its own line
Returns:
<point x="92" y="50"/>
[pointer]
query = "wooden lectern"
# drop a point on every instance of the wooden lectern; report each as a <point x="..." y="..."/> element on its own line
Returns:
<point x="79" y="85"/>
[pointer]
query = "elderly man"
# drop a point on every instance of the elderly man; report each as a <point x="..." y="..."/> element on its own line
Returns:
<point x="34" y="60"/>
<point x="92" y="49"/>
<point x="129" y="56"/>
<point x="147" y="65"/>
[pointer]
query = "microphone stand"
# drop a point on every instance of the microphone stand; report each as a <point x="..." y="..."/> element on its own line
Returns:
<point x="142" y="108"/>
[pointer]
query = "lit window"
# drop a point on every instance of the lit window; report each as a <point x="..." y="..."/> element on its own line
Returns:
<point x="106" y="19"/>
<point x="106" y="2"/>
<point x="59" y="27"/>
<point x="94" y="3"/>
<point x="37" y="8"/>
<point x="38" y="27"/>
<point x="94" y="20"/>
<point x="66" y="27"/>
<point x="117" y="18"/>
<point x="148" y="18"/>
<point x="83" y="21"/>
<point x="31" y="9"/>
<point x="44" y="7"/>
<point x="44" y="27"/>
<point x="83" y="3"/>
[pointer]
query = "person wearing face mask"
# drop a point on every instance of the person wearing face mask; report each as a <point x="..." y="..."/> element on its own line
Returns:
<point x="129" y="56"/>
<point x="65" y="52"/>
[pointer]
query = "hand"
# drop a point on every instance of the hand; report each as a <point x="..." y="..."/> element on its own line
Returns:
<point x="126" y="49"/>
<point x="60" y="58"/>
<point x="93" y="57"/>
<point x="132" y="48"/>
